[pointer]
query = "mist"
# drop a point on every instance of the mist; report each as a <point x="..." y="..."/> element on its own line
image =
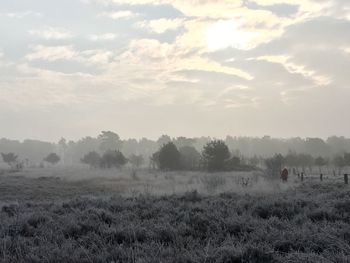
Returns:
<point x="174" y="131"/>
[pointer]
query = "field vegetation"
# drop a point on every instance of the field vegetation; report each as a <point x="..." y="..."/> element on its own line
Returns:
<point x="174" y="200"/>
<point x="222" y="217"/>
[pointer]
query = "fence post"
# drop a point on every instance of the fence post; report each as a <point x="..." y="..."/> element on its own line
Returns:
<point x="346" y="179"/>
<point x="321" y="177"/>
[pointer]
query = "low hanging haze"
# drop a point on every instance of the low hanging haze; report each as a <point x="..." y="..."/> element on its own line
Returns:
<point x="143" y="68"/>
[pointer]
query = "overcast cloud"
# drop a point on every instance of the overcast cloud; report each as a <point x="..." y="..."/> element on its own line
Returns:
<point x="72" y="68"/>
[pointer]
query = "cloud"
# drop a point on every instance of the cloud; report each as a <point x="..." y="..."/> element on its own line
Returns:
<point x="68" y="53"/>
<point x="103" y="37"/>
<point x="20" y="15"/>
<point x="162" y="25"/>
<point x="124" y="14"/>
<point x="52" y="53"/>
<point x="99" y="57"/>
<point x="198" y="63"/>
<point x="224" y="34"/>
<point x="52" y="33"/>
<point x="211" y="60"/>
<point x="319" y="56"/>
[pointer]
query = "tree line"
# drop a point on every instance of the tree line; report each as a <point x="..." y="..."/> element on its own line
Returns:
<point x="215" y="156"/>
<point x="242" y="150"/>
<point x="306" y="163"/>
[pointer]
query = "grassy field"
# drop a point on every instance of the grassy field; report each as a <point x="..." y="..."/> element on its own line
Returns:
<point x="58" y="183"/>
<point x="77" y="215"/>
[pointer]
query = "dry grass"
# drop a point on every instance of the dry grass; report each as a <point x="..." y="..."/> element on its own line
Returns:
<point x="57" y="183"/>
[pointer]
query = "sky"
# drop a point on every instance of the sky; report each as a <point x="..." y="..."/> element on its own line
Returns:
<point x="143" y="68"/>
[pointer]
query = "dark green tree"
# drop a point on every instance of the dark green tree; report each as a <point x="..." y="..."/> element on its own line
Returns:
<point x="320" y="162"/>
<point x="215" y="154"/>
<point x="164" y="139"/>
<point x="233" y="163"/>
<point x="92" y="158"/>
<point x="112" y="159"/>
<point x="304" y="161"/>
<point x="291" y="160"/>
<point x="52" y="158"/>
<point x="183" y="141"/>
<point x="9" y="158"/>
<point x="169" y="157"/>
<point x="154" y="160"/>
<point x="347" y="159"/>
<point x="274" y="165"/>
<point x="109" y="141"/>
<point x="339" y="162"/>
<point x="136" y="160"/>
<point x="189" y="158"/>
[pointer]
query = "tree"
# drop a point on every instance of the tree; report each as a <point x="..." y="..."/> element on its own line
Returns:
<point x="215" y="154"/>
<point x="305" y="160"/>
<point x="62" y="143"/>
<point x="169" y="157"/>
<point x="136" y="160"/>
<point x="109" y="141"/>
<point x="92" y="158"/>
<point x="339" y="162"/>
<point x="274" y="165"/>
<point x="162" y="140"/>
<point x="183" y="141"/>
<point x="52" y="158"/>
<point x="233" y="163"/>
<point x="315" y="146"/>
<point x="9" y="158"/>
<point x="112" y="159"/>
<point x="254" y="161"/>
<point x="291" y="160"/>
<point x="347" y="159"/>
<point x="320" y="162"/>
<point x="189" y="158"/>
<point x="154" y="160"/>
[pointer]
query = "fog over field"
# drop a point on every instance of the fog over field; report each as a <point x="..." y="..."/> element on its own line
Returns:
<point x="174" y="131"/>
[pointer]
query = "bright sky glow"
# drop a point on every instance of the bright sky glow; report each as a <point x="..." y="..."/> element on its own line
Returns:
<point x="72" y="68"/>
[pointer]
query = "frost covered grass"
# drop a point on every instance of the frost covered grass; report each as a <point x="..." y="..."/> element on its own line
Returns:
<point x="58" y="183"/>
<point x="304" y="223"/>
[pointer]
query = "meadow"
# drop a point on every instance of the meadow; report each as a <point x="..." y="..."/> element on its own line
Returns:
<point x="86" y="215"/>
